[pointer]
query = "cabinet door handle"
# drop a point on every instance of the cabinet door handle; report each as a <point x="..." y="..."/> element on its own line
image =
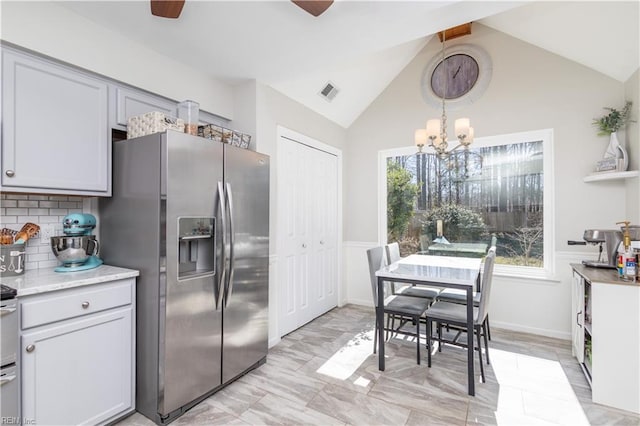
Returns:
<point x="85" y="305"/>
<point x="321" y="241"/>
<point x="31" y="348"/>
<point x="578" y="322"/>
<point x="304" y="245"/>
<point x="10" y="173"/>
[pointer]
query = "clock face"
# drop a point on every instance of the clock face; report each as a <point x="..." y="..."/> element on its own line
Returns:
<point x="465" y="73"/>
<point x="456" y="75"/>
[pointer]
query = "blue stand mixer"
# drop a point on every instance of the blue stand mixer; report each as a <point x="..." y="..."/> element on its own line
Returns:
<point x="77" y="249"/>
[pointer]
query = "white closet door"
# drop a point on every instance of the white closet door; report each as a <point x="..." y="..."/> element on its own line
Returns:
<point x="324" y="214"/>
<point x="293" y="235"/>
<point x="307" y="233"/>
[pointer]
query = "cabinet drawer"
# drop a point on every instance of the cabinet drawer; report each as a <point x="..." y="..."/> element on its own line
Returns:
<point x="58" y="306"/>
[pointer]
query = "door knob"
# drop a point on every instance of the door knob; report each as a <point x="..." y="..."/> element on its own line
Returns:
<point x="31" y="348"/>
<point x="10" y="173"/>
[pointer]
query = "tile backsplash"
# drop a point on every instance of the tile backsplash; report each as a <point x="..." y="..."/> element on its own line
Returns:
<point x="17" y="209"/>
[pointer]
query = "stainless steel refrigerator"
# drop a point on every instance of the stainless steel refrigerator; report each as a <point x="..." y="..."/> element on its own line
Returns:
<point x="193" y="216"/>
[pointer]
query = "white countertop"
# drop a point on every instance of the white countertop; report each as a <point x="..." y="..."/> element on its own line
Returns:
<point x="44" y="280"/>
<point x="600" y="275"/>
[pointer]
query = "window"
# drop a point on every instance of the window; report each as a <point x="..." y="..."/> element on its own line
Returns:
<point x="499" y="192"/>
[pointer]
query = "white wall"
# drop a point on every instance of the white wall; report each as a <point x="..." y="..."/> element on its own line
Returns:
<point x="632" y="93"/>
<point x="531" y="89"/>
<point x="55" y="31"/>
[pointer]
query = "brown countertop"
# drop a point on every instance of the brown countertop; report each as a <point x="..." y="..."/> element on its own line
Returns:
<point x="601" y="275"/>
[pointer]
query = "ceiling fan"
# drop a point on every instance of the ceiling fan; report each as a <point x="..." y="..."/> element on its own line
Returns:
<point x="173" y="8"/>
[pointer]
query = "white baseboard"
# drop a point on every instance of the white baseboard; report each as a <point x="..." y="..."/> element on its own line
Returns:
<point x="531" y="330"/>
<point x="361" y="302"/>
<point x="274" y="341"/>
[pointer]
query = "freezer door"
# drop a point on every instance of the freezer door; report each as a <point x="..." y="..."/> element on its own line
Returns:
<point x="246" y="290"/>
<point x="190" y="359"/>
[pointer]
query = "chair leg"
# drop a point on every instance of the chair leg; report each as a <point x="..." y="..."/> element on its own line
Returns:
<point x="470" y="346"/>
<point x="386" y="337"/>
<point x="439" y="327"/>
<point x="429" y="328"/>
<point x="485" y="326"/>
<point x="488" y="328"/>
<point x="375" y="336"/>
<point x="418" y="338"/>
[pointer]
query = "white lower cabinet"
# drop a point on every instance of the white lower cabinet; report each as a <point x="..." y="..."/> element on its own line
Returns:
<point x="606" y="336"/>
<point x="77" y="356"/>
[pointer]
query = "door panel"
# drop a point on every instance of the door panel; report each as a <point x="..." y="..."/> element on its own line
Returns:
<point x="85" y="363"/>
<point x="193" y="324"/>
<point x="247" y="294"/>
<point x="308" y="248"/>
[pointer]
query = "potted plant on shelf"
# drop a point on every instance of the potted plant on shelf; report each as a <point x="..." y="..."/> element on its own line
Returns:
<point x="609" y="125"/>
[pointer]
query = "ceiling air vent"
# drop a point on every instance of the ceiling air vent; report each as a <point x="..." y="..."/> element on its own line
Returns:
<point x="329" y="91"/>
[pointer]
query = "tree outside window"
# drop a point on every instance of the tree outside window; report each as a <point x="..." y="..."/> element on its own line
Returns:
<point x="493" y="191"/>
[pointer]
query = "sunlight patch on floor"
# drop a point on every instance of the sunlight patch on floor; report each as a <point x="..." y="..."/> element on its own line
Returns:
<point x="349" y="358"/>
<point x="534" y="391"/>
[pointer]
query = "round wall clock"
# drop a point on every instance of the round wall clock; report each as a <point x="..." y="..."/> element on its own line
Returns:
<point x="465" y="73"/>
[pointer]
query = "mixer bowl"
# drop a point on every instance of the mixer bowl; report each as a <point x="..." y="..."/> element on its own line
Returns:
<point x="74" y="251"/>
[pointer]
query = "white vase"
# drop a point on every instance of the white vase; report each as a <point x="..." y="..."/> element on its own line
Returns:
<point x="617" y="151"/>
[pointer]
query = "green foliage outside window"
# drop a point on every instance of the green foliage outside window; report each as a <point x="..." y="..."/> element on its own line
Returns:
<point x="401" y="200"/>
<point x="461" y="224"/>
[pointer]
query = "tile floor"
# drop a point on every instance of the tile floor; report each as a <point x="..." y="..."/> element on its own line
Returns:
<point x="325" y="374"/>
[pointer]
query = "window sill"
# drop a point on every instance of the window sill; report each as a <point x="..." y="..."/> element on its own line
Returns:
<point x="525" y="273"/>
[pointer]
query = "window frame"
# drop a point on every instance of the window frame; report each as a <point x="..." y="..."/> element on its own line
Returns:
<point x="547" y="272"/>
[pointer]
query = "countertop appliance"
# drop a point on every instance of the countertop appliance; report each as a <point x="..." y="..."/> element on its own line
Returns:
<point x="612" y="239"/>
<point x="193" y="216"/>
<point x="77" y="249"/>
<point x="9" y="374"/>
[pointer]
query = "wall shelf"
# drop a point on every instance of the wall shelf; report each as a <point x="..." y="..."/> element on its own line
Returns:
<point x="595" y="177"/>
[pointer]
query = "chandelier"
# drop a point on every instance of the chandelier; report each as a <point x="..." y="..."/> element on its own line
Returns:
<point x="436" y="132"/>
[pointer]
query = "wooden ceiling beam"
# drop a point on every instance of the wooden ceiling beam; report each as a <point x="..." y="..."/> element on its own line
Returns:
<point x="455" y="32"/>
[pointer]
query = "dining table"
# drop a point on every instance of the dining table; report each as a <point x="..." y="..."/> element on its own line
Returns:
<point x="433" y="271"/>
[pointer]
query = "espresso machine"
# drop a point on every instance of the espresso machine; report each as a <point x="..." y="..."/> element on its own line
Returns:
<point x="611" y="240"/>
<point x="77" y="249"/>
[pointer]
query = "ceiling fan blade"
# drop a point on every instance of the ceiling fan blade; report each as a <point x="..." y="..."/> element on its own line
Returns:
<point x="314" y="7"/>
<point x="166" y="8"/>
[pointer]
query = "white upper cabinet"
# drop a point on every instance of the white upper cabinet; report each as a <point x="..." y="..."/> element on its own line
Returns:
<point x="55" y="136"/>
<point x="130" y="103"/>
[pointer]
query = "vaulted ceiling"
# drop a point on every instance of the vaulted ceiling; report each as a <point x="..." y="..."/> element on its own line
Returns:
<point x="360" y="46"/>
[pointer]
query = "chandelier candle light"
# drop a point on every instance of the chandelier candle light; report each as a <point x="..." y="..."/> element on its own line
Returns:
<point x="436" y="131"/>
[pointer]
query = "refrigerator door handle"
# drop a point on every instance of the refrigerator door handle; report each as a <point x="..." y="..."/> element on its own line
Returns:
<point x="232" y="241"/>
<point x="222" y="266"/>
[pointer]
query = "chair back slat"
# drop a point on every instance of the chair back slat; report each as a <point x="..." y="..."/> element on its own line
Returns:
<point x="485" y="285"/>
<point x="377" y="260"/>
<point x="393" y="253"/>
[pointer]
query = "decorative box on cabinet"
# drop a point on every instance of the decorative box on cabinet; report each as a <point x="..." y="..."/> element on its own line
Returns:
<point x="52" y="116"/>
<point x="78" y="354"/>
<point x="606" y="312"/>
